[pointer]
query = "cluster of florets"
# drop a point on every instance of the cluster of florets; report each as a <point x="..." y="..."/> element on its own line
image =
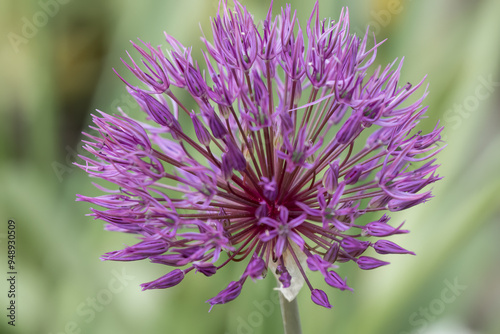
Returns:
<point x="273" y="164"/>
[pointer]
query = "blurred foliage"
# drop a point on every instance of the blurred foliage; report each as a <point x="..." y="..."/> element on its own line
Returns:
<point x="55" y="73"/>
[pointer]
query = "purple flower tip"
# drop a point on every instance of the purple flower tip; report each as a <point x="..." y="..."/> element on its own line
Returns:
<point x="200" y="130"/>
<point x="230" y="293"/>
<point x="380" y="228"/>
<point x="333" y="279"/>
<point x="169" y="280"/>
<point x="331" y="177"/>
<point x="389" y="247"/>
<point x="256" y="268"/>
<point x="315" y="263"/>
<point x="368" y="263"/>
<point x="206" y="269"/>
<point x="319" y="297"/>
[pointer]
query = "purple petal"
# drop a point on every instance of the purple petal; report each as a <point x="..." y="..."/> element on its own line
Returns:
<point x="368" y="263"/>
<point x="333" y="279"/>
<point x="169" y="280"/>
<point x="230" y="293"/>
<point x="389" y="247"/>
<point x="319" y="297"/>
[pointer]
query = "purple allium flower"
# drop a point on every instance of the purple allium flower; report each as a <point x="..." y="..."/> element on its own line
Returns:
<point x="275" y="164"/>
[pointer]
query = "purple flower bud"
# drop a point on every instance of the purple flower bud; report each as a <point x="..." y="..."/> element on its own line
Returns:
<point x="189" y="251"/>
<point x="227" y="167"/>
<point x="139" y="251"/>
<point x="319" y="297"/>
<point x="256" y="268"/>
<point x="194" y="82"/>
<point x="332" y="252"/>
<point x="206" y="269"/>
<point x="286" y="123"/>
<point x="350" y="128"/>
<point x="331" y="177"/>
<point x="368" y="263"/>
<point x="230" y="293"/>
<point x="388" y="247"/>
<point x="159" y="112"/>
<point x="260" y="92"/>
<point x="123" y="255"/>
<point x="333" y="279"/>
<point x="353" y="174"/>
<point x="238" y="160"/>
<point x="354" y="247"/>
<point x="382" y="229"/>
<point x="169" y="280"/>
<point x="217" y="128"/>
<point x="201" y="132"/>
<point x="315" y="263"/>
<point x="379" y="201"/>
<point x="172" y="260"/>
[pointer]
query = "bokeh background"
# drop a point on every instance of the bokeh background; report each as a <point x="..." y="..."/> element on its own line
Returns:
<point x="56" y="61"/>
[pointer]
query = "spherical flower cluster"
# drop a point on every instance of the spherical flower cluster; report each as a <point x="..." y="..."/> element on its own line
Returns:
<point x="274" y="166"/>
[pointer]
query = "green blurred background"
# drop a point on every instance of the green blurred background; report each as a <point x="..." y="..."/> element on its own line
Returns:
<point x="58" y="70"/>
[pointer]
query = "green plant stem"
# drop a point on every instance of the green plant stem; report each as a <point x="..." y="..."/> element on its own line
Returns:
<point x="290" y="315"/>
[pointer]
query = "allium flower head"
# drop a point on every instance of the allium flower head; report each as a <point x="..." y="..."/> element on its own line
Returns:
<point x="287" y="144"/>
